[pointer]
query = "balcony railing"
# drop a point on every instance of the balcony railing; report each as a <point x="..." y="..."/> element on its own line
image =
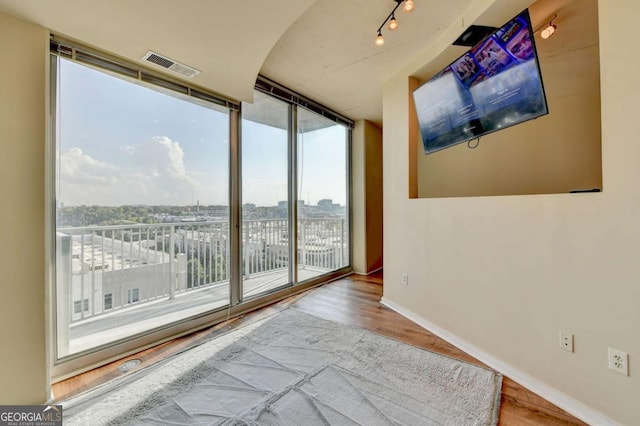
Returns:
<point x="106" y="269"/>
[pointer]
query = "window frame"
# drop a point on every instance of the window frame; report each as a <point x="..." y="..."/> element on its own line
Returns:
<point x="107" y="305"/>
<point x="64" y="365"/>
<point x="133" y="295"/>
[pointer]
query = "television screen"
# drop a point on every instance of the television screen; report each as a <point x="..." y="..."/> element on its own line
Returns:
<point x="496" y="84"/>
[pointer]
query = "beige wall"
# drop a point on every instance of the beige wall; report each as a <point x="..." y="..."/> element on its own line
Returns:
<point x="358" y="199"/>
<point x="366" y="169"/>
<point x="373" y="166"/>
<point x="555" y="153"/>
<point x="23" y="375"/>
<point x="505" y="274"/>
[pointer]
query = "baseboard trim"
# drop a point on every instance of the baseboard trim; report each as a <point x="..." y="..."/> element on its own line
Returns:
<point x="570" y="405"/>
<point x="374" y="271"/>
<point x="364" y="274"/>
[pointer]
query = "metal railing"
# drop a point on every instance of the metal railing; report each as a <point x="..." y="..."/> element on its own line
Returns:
<point x="105" y="268"/>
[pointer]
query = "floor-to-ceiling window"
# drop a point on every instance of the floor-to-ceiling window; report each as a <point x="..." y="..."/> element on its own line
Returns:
<point x="322" y="173"/>
<point x="316" y="181"/>
<point x="175" y="208"/>
<point x="265" y="195"/>
<point x="142" y="208"/>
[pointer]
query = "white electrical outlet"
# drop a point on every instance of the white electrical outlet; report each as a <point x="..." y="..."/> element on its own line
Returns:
<point x="619" y="361"/>
<point x="566" y="341"/>
<point x="405" y="278"/>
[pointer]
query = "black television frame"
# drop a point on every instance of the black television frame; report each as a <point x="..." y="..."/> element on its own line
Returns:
<point x="476" y="134"/>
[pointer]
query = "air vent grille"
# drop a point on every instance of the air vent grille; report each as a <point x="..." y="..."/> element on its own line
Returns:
<point x="170" y="64"/>
<point x="159" y="60"/>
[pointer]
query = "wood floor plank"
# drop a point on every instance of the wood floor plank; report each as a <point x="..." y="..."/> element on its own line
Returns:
<point x="354" y="300"/>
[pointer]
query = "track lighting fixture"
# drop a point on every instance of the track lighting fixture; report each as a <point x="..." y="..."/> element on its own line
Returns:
<point x="548" y="30"/>
<point x="409" y="5"/>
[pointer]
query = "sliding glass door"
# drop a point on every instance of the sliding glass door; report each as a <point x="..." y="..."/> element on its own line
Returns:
<point x="265" y="196"/>
<point x="322" y="172"/>
<point x="315" y="167"/>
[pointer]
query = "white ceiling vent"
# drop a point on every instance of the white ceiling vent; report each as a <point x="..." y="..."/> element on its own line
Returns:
<point x="170" y="64"/>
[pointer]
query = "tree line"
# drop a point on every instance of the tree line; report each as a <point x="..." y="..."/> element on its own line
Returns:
<point x="112" y="215"/>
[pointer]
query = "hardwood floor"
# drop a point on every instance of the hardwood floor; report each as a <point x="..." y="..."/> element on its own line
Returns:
<point x="355" y="301"/>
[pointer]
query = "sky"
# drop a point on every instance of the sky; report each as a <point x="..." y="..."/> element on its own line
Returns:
<point x="120" y="143"/>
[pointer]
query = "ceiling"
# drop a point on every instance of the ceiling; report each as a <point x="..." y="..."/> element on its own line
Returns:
<point x="227" y="41"/>
<point x="329" y="52"/>
<point x="323" y="49"/>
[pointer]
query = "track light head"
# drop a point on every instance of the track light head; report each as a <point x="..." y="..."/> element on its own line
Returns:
<point x="379" y="39"/>
<point x="408" y="6"/>
<point x="393" y="23"/>
<point x="548" y="31"/>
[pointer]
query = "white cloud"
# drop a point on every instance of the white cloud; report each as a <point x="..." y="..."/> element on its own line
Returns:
<point x="162" y="158"/>
<point x="152" y="172"/>
<point x="72" y="161"/>
<point x="77" y="167"/>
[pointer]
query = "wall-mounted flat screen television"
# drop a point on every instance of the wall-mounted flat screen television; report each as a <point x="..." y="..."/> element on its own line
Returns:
<point x="496" y="84"/>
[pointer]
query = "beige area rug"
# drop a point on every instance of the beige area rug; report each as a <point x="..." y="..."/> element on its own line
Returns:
<point x="296" y="369"/>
